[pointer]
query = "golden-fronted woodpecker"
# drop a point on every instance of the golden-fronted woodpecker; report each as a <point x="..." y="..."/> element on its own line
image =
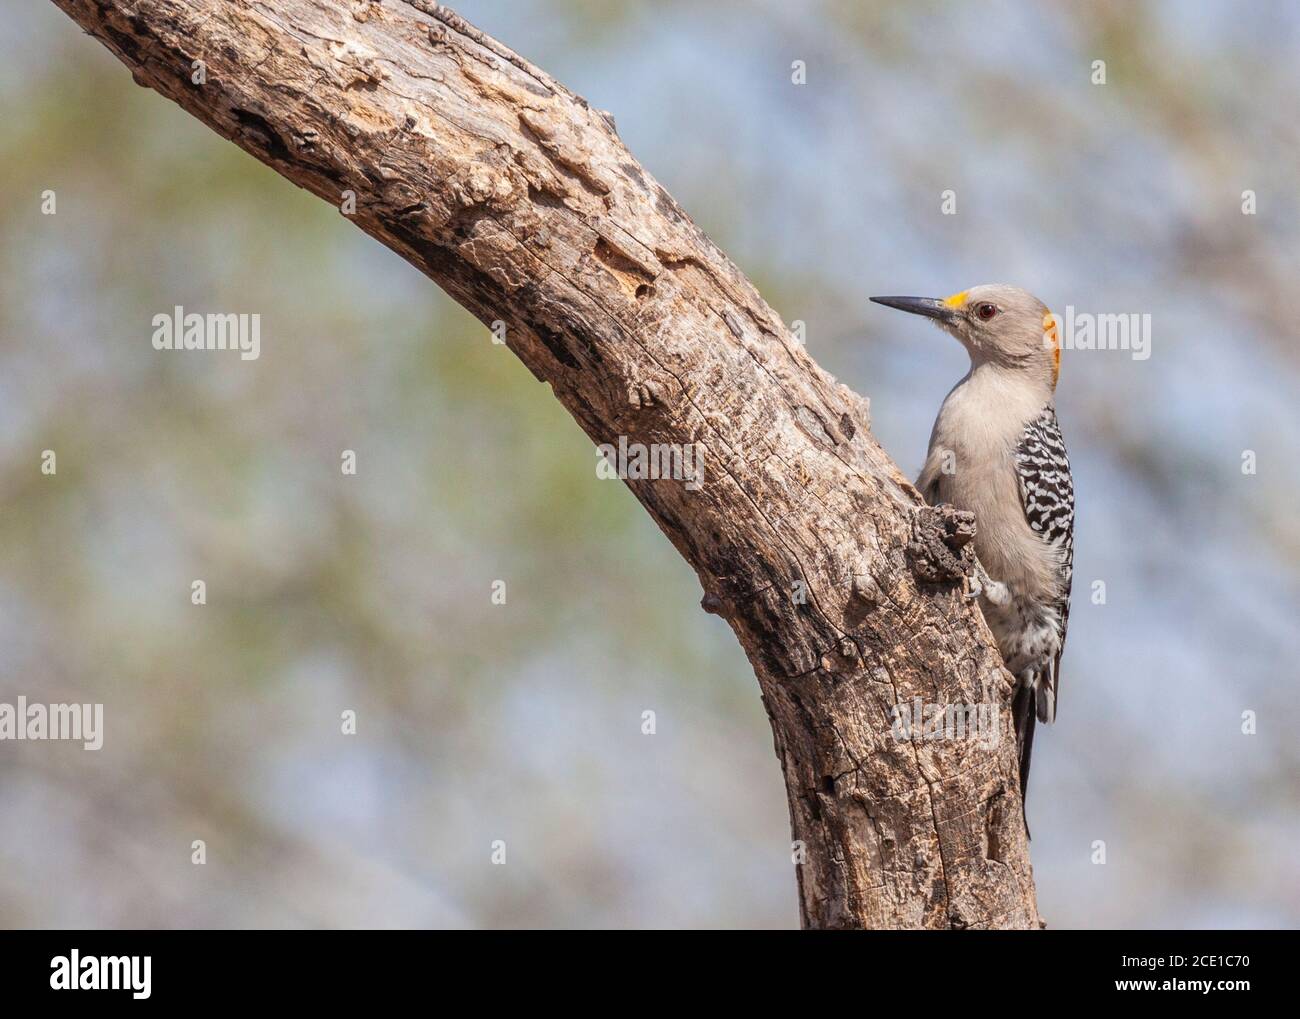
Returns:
<point x="996" y="450"/>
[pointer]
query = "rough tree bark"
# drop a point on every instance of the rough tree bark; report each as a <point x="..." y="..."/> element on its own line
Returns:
<point x="519" y="199"/>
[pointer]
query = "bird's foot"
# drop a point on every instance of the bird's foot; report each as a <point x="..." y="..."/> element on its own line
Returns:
<point x="980" y="585"/>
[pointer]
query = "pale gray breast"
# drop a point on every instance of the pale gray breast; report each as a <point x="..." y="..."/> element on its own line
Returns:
<point x="974" y="448"/>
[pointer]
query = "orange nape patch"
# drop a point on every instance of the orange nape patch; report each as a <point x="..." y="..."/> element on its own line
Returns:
<point x="1052" y="340"/>
<point x="957" y="300"/>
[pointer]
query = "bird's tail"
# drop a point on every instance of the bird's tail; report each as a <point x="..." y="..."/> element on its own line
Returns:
<point x="1025" y="715"/>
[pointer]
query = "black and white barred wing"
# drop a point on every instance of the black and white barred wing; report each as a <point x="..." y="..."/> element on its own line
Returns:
<point x="1047" y="492"/>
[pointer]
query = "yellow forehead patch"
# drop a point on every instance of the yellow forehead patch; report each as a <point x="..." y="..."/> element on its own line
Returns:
<point x="1052" y="338"/>
<point x="957" y="300"/>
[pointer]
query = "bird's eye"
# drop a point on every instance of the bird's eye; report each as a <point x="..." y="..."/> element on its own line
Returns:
<point x="986" y="311"/>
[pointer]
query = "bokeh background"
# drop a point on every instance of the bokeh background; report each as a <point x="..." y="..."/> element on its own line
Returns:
<point x="522" y="722"/>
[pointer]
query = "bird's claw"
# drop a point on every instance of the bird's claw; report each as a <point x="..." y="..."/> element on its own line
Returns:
<point x="980" y="585"/>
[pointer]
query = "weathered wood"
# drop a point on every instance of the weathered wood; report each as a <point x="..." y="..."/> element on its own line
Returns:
<point x="520" y="200"/>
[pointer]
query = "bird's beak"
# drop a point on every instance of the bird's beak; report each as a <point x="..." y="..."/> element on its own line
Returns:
<point x="930" y="307"/>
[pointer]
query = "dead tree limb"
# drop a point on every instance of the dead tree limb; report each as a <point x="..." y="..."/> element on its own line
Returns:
<point x="519" y="200"/>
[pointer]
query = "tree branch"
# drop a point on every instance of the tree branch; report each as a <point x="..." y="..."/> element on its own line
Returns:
<point x="519" y="199"/>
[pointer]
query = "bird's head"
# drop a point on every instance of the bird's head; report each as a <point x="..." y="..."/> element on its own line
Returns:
<point x="995" y="323"/>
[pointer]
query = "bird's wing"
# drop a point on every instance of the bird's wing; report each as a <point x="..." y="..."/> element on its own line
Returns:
<point x="1047" y="493"/>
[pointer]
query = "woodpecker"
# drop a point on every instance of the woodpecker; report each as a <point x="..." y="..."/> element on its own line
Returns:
<point x="996" y="450"/>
